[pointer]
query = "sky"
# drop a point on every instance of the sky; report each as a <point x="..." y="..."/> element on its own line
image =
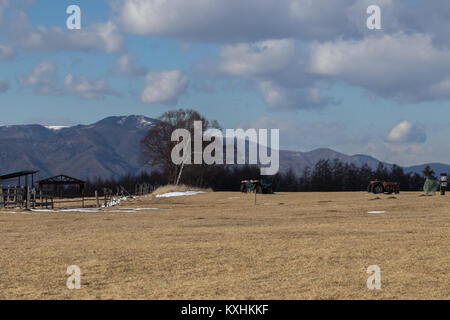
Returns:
<point x="312" y="69"/>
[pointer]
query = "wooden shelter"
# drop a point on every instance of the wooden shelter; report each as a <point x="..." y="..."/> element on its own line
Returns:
<point x="17" y="195"/>
<point x="63" y="180"/>
<point x="18" y="175"/>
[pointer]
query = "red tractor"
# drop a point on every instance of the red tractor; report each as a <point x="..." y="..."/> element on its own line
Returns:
<point x="383" y="187"/>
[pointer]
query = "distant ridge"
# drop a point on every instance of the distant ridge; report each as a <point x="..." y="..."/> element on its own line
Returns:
<point x="299" y="160"/>
<point x="436" y="166"/>
<point x="110" y="148"/>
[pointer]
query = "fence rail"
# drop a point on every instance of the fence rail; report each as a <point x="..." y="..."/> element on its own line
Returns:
<point x="22" y="197"/>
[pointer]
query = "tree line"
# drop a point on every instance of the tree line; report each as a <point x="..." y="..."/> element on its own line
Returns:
<point x="326" y="176"/>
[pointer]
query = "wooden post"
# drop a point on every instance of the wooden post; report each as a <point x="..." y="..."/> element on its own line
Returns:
<point x="28" y="198"/>
<point x="255" y="196"/>
<point x="33" y="195"/>
<point x="104" y="191"/>
<point x="8" y="199"/>
<point x="82" y="195"/>
<point x="40" y="198"/>
<point x="15" y="200"/>
<point x="2" y="200"/>
<point x="96" y="199"/>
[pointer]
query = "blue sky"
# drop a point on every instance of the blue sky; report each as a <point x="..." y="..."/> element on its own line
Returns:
<point x="310" y="68"/>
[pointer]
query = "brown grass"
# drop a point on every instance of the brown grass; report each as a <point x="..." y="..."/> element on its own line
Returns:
<point x="220" y="245"/>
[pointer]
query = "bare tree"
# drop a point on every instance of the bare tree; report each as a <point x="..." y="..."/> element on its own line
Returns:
<point x="156" y="146"/>
<point x="428" y="172"/>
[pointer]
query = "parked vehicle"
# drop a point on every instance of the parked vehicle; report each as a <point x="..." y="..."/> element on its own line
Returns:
<point x="383" y="187"/>
<point x="258" y="186"/>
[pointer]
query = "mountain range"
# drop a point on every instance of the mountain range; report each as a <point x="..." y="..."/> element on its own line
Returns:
<point x="110" y="148"/>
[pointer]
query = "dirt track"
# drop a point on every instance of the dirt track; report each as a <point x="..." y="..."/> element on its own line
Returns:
<point x="220" y="245"/>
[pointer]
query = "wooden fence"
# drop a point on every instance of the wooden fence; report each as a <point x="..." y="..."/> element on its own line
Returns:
<point x="28" y="198"/>
<point x="23" y="197"/>
<point x="143" y="189"/>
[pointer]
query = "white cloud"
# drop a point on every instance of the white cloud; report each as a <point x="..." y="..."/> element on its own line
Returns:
<point x="407" y="68"/>
<point x="126" y="65"/>
<point x="235" y="20"/>
<point x="256" y="20"/>
<point x="42" y="79"/>
<point x="6" y="53"/>
<point x="277" y="67"/>
<point x="269" y="43"/>
<point x="97" y="37"/>
<point x="306" y="135"/>
<point x="164" y="86"/>
<point x="86" y="88"/>
<point x="256" y="59"/>
<point x="278" y="98"/>
<point x="406" y="132"/>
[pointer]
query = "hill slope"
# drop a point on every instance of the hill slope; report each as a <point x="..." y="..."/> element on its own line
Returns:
<point x="106" y="148"/>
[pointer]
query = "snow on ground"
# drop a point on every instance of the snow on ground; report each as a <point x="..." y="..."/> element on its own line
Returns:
<point x="15" y="212"/>
<point x="94" y="210"/>
<point x="178" y="194"/>
<point x="114" y="202"/>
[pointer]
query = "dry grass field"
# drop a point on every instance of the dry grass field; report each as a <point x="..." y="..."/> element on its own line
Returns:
<point x="222" y="246"/>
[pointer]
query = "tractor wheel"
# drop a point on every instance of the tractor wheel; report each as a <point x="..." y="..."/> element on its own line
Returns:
<point x="258" y="189"/>
<point x="378" y="189"/>
<point x="369" y="188"/>
<point x="389" y="190"/>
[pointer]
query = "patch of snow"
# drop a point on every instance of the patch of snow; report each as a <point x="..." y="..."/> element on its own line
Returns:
<point x="114" y="202"/>
<point x="56" y="128"/>
<point x="376" y="211"/>
<point x="144" y="123"/>
<point x="178" y="194"/>
<point x="16" y="212"/>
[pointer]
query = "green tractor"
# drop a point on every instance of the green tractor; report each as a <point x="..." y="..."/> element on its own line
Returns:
<point x="258" y="186"/>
